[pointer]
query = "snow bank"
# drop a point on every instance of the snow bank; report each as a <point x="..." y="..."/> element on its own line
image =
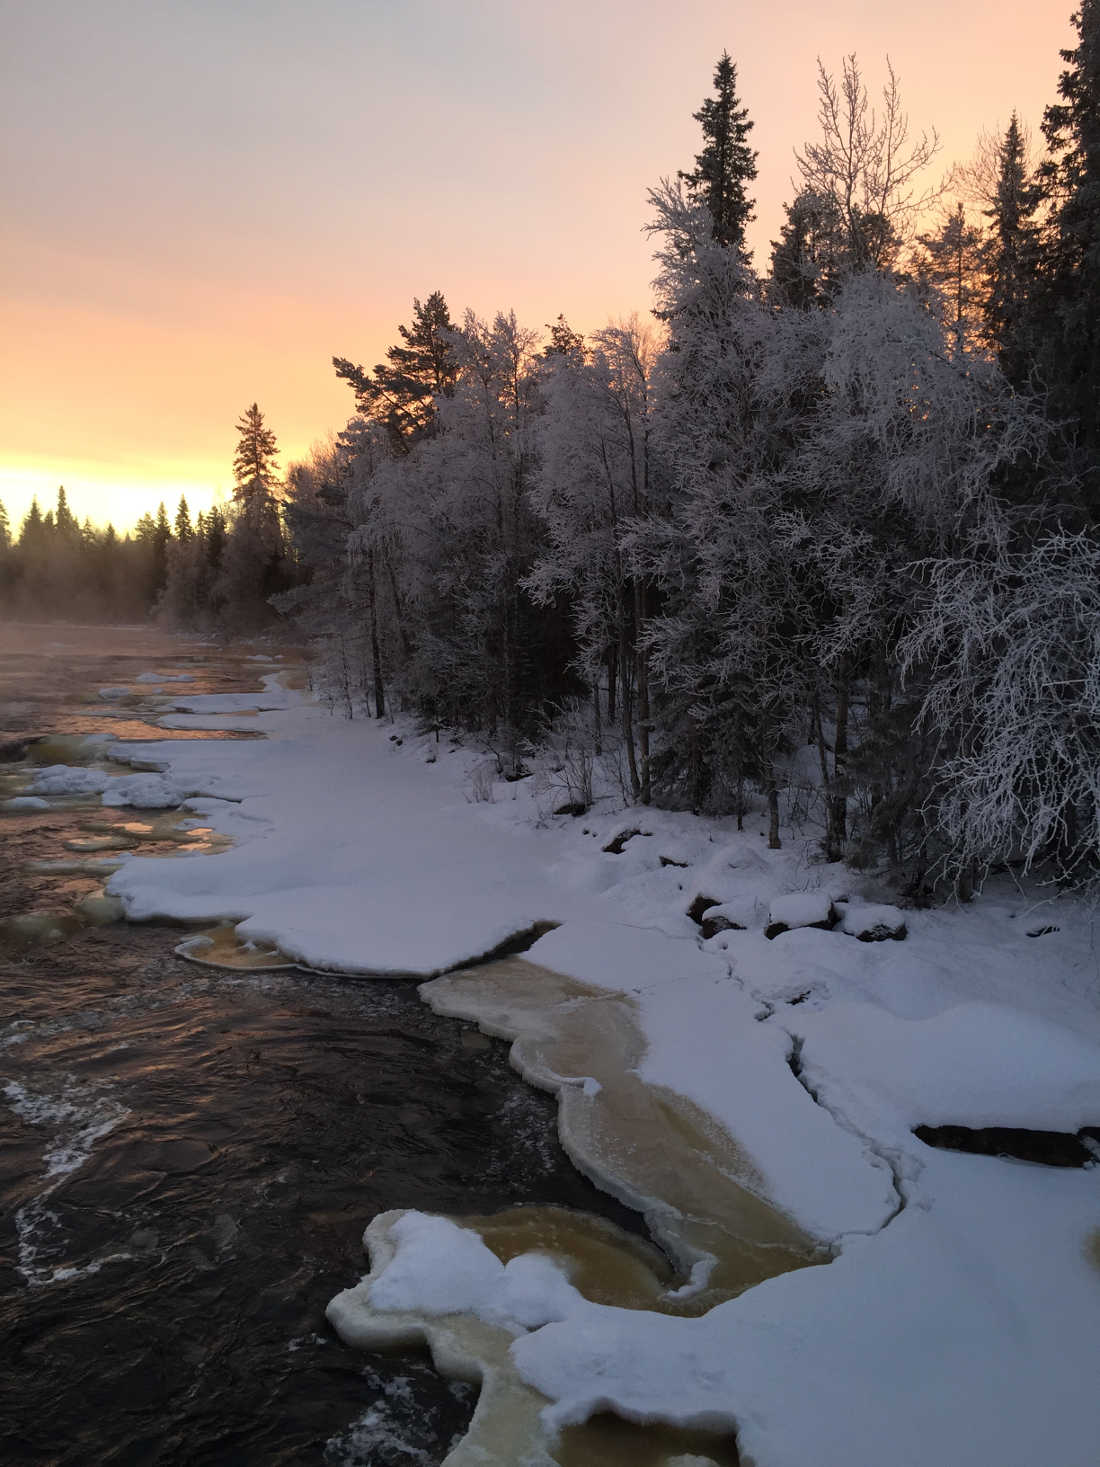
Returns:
<point x="144" y="792"/>
<point x="960" y="1319"/>
<point x="26" y="802"/>
<point x="68" y="779"/>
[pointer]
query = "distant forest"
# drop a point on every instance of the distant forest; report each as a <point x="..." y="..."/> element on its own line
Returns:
<point x="843" y="512"/>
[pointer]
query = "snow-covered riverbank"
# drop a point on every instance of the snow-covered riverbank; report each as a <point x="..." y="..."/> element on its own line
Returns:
<point x="959" y="1320"/>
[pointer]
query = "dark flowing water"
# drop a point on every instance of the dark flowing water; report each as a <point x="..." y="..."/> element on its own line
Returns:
<point x="188" y="1157"/>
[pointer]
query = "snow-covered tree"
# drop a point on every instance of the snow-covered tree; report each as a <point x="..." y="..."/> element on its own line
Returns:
<point x="866" y="166"/>
<point x="596" y="474"/>
<point x="1009" y="646"/>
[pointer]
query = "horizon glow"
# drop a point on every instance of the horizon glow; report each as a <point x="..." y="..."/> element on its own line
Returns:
<point x="206" y="203"/>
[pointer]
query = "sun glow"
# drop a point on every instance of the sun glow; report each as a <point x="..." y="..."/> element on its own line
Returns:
<point x="104" y="496"/>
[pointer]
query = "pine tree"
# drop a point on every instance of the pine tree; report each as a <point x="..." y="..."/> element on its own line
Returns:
<point x="726" y="165"/>
<point x="5" y="530"/>
<point x="866" y="167"/>
<point x="402" y="391"/>
<point x="255" y="471"/>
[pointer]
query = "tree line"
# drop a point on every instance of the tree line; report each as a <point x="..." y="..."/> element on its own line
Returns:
<point x="216" y="572"/>
<point x="828" y="525"/>
<point x="842" y="511"/>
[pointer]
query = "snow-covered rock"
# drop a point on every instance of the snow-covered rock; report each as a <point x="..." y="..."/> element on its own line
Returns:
<point x="800" y="909"/>
<point x="872" y="922"/>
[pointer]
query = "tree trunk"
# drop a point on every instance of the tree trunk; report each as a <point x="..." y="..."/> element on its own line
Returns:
<point x="626" y="702"/>
<point x="774" y="843"/>
<point x="375" y="653"/>
<point x="836" y="833"/>
<point x="643" y="691"/>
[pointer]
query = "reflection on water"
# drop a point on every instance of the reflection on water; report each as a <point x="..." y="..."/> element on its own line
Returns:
<point x="187" y="1156"/>
<point x="226" y="1135"/>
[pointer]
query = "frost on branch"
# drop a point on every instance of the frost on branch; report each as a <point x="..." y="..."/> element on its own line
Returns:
<point x="1012" y="643"/>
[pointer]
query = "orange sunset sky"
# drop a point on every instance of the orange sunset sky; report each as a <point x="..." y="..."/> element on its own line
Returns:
<point x="205" y="200"/>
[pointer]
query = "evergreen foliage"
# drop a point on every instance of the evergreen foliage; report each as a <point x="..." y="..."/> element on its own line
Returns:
<point x="401" y="393"/>
<point x="726" y="166"/>
<point x="1066" y="315"/>
<point x="816" y="537"/>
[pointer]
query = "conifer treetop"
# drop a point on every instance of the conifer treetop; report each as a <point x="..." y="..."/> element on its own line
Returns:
<point x="255" y="470"/>
<point x="726" y="165"/>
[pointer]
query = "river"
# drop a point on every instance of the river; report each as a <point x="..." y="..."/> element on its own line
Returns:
<point x="188" y="1156"/>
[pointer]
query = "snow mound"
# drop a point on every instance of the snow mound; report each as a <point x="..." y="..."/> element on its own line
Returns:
<point x="872" y="923"/>
<point x="800" y="909"/>
<point x="440" y="1268"/>
<point x="144" y="792"/>
<point x="110" y="695"/>
<point x="26" y="802"/>
<point x="67" y="779"/>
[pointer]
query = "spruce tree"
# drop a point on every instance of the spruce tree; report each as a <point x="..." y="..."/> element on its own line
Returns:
<point x="1010" y="256"/>
<point x="64" y="522"/>
<point x="184" y="532"/>
<point x="726" y="165"/>
<point x="255" y="470"/>
<point x="5" y="530"/>
<point x="1067" y="323"/>
<point x="803" y="264"/>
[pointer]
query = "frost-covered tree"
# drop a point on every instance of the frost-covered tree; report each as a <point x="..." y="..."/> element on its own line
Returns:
<point x="1009" y="646"/>
<point x="726" y="167"/>
<point x="478" y="654"/>
<point x="866" y="166"/>
<point x="596" y="475"/>
<point x="723" y="696"/>
<point x="902" y="456"/>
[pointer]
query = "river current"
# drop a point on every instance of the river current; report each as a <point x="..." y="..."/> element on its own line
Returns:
<point x="188" y="1157"/>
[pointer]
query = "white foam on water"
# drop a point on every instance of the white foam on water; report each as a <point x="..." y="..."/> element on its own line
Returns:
<point x="77" y="1118"/>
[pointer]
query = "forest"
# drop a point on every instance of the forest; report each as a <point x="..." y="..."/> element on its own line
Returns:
<point x="835" y="517"/>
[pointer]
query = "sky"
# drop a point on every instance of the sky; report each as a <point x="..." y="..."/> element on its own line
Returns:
<point x="207" y="200"/>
